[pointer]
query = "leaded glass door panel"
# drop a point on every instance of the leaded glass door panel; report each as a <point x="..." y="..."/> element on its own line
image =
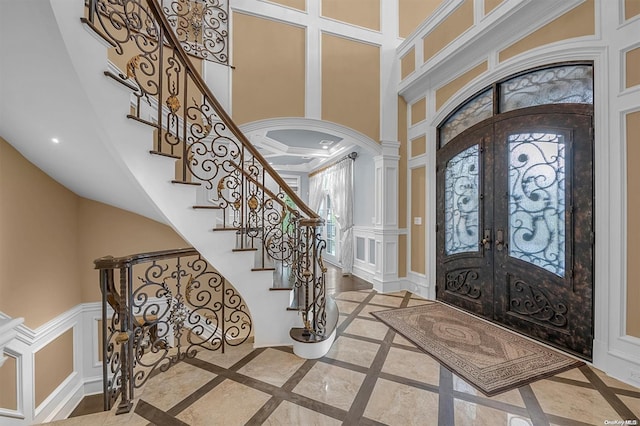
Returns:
<point x="515" y="223"/>
<point x="466" y="263"/>
<point x="543" y="226"/>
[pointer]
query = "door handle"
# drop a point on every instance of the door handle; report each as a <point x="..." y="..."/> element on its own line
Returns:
<point x="486" y="240"/>
<point x="500" y="244"/>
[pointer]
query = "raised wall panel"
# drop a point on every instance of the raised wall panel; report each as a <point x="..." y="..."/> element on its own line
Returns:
<point x="402" y="163"/>
<point x="391" y="258"/>
<point x="351" y="84"/>
<point x="418" y="196"/>
<point x="53" y="364"/>
<point x="448" y="30"/>
<point x="402" y="255"/>
<point x="632" y="67"/>
<point x="578" y="22"/>
<point x="363" y="13"/>
<point x="9" y="383"/>
<point x="631" y="8"/>
<point x="294" y="4"/>
<point x="633" y="224"/>
<point x="413" y="12"/>
<point x="269" y="74"/>
<point x="418" y="111"/>
<point x="489" y="5"/>
<point x="419" y="146"/>
<point x="390" y="209"/>
<point x="408" y="63"/>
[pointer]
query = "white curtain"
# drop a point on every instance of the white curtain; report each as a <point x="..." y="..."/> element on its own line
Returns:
<point x="340" y="189"/>
<point x="316" y="191"/>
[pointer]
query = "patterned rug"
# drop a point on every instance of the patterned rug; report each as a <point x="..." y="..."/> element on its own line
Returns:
<point x="490" y="358"/>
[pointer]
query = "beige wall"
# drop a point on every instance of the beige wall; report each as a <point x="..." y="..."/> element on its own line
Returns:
<point x="418" y="146"/>
<point x="408" y="63"/>
<point x="418" y="209"/>
<point x="9" y="384"/>
<point x="444" y="93"/>
<point x="631" y="8"/>
<point x="402" y="163"/>
<point x="351" y="84"/>
<point x="106" y="230"/>
<point x="38" y="253"/>
<point x="418" y="111"/>
<point x="633" y="224"/>
<point x="269" y="74"/>
<point x="632" y="67"/>
<point x="402" y="255"/>
<point x="296" y="4"/>
<point x="363" y="13"/>
<point x="489" y="5"/>
<point x="455" y="24"/>
<point x="402" y="185"/>
<point x="53" y="364"/>
<point x="412" y="13"/>
<point x="579" y="21"/>
<point x="51" y="237"/>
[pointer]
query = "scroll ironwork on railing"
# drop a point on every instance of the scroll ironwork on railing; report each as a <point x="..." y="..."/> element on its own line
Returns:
<point x="243" y="192"/>
<point x="158" y="309"/>
<point x="202" y="26"/>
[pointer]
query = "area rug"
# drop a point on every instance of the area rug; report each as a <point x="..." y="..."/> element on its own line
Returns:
<point x="490" y="358"/>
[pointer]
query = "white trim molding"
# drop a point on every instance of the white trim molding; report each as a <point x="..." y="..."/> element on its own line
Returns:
<point x="85" y="379"/>
<point x="7" y="333"/>
<point x="614" y="352"/>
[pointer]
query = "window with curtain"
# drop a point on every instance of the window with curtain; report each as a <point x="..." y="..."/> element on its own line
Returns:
<point x="332" y="188"/>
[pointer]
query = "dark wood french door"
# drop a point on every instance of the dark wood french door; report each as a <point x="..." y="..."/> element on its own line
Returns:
<point x="515" y="223"/>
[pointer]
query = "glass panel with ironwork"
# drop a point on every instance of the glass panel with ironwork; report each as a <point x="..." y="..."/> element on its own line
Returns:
<point x="537" y="200"/>
<point x="473" y="112"/>
<point x="561" y="85"/>
<point x="461" y="198"/>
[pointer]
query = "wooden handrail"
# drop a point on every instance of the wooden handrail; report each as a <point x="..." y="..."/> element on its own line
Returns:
<point x="110" y="262"/>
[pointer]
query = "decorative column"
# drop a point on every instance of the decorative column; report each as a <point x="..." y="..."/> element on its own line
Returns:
<point x="385" y="224"/>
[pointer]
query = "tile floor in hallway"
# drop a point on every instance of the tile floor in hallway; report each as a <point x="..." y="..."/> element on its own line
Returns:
<point x="371" y="376"/>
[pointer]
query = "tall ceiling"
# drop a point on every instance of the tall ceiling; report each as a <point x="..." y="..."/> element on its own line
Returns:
<point x="41" y="100"/>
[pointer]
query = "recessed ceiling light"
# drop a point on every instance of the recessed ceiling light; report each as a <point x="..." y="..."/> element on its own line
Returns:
<point x="325" y="147"/>
<point x="55" y="140"/>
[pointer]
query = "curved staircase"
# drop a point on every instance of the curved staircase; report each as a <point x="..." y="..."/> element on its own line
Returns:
<point x="225" y="231"/>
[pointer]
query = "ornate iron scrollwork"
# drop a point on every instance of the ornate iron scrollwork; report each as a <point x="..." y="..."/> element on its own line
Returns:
<point x="530" y="301"/>
<point x="461" y="282"/>
<point x="202" y="26"/>
<point x="178" y="306"/>
<point x="461" y="195"/>
<point x="537" y="200"/>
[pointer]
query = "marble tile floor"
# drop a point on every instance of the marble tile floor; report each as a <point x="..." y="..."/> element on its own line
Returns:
<point x="371" y="376"/>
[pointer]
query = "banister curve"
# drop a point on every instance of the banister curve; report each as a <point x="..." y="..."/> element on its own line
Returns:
<point x="222" y="113"/>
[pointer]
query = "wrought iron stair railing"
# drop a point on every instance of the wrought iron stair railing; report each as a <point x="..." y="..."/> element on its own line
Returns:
<point x="243" y="192"/>
<point x="158" y="309"/>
